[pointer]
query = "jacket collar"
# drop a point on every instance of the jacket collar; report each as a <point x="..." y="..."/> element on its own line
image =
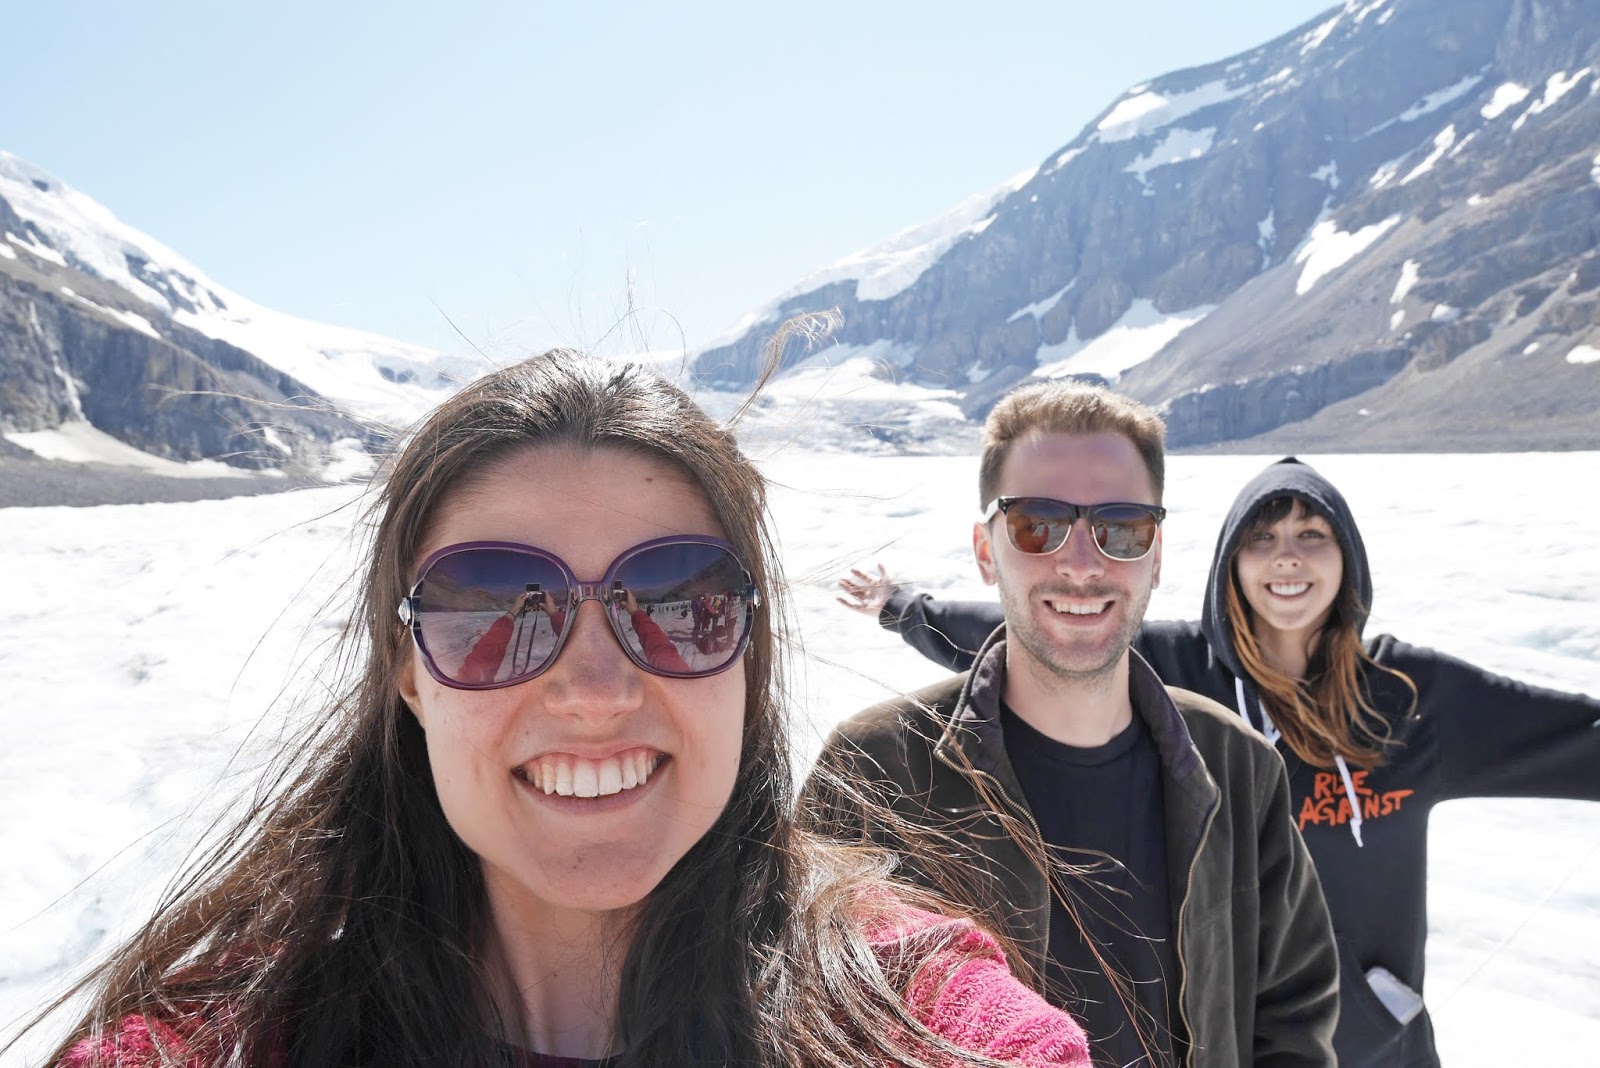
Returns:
<point x="974" y="726"/>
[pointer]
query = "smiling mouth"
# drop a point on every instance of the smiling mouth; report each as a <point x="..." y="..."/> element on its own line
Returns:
<point x="1079" y="608"/>
<point x="1288" y="589"/>
<point x="573" y="776"/>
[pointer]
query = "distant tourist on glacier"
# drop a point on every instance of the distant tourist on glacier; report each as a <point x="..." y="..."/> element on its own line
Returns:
<point x="1374" y="733"/>
<point x="1135" y="840"/>
<point x="579" y="853"/>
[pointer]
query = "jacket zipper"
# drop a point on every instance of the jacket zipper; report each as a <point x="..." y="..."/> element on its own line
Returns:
<point x="1183" y="914"/>
<point x="1038" y="836"/>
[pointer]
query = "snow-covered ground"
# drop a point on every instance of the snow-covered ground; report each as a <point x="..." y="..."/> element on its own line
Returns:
<point x="150" y="654"/>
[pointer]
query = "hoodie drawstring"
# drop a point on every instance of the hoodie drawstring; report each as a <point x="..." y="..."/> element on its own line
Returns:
<point x="1355" y="802"/>
<point x="1271" y="732"/>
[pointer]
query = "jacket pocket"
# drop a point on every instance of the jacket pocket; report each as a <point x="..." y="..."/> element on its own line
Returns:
<point x="1368" y="1035"/>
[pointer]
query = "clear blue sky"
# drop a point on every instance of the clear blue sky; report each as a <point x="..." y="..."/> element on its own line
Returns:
<point x="513" y="165"/>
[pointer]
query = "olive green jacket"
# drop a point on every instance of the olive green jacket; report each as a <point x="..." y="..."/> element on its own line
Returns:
<point x="927" y="776"/>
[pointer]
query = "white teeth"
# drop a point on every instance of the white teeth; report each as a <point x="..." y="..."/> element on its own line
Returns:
<point x="1288" y="589"/>
<point x="1081" y="609"/>
<point x="572" y="776"/>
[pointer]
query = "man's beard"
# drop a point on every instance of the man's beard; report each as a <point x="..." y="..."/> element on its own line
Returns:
<point x="1074" y="665"/>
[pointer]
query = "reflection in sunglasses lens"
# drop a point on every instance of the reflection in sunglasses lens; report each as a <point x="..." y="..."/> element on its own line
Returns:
<point x="489" y="616"/>
<point x="1040" y="526"/>
<point x="694" y="605"/>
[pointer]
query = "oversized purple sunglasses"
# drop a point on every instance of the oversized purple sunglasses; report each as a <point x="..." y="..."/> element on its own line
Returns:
<point x="486" y="614"/>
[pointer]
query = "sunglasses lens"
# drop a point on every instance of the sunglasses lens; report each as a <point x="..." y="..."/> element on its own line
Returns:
<point x="490" y="615"/>
<point x="1123" y="533"/>
<point x="1037" y="525"/>
<point x="694" y="609"/>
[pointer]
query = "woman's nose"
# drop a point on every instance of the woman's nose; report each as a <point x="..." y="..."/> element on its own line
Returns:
<point x="592" y="677"/>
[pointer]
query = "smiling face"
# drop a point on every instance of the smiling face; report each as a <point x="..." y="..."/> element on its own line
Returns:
<point x="594" y="721"/>
<point x="1290" y="571"/>
<point x="1070" y="614"/>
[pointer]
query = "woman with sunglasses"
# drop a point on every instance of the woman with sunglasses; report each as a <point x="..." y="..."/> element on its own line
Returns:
<point x="541" y="831"/>
<point x="1374" y="733"/>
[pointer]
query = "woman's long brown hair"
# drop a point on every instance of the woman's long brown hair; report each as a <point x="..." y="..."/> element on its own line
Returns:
<point x="338" y="922"/>
<point x="1329" y="713"/>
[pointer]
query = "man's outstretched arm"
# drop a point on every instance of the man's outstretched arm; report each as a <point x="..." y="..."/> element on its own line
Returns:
<point x="947" y="632"/>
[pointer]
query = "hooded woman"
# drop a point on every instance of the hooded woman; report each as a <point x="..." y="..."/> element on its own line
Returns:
<point x="1374" y="732"/>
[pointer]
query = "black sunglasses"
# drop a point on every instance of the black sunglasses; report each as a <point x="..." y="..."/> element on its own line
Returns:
<point x="1040" y="525"/>
<point x="486" y="614"/>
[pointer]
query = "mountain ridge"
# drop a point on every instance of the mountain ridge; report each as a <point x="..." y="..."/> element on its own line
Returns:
<point x="101" y="325"/>
<point x="1224" y="241"/>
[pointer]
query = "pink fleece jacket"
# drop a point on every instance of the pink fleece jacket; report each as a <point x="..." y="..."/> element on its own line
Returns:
<point x="961" y="989"/>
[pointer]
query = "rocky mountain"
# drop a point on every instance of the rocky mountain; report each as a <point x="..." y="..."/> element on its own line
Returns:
<point x="1378" y="231"/>
<point x="113" y="342"/>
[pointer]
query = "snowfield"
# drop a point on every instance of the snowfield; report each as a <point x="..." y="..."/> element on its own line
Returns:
<point x="152" y="653"/>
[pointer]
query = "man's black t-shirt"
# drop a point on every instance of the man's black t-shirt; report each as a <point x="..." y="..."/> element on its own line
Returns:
<point x="1102" y="808"/>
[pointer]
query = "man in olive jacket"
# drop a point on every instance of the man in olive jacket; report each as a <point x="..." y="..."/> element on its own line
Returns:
<point x="1132" y="841"/>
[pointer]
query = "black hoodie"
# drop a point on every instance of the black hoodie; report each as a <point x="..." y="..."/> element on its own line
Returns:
<point x="1472" y="734"/>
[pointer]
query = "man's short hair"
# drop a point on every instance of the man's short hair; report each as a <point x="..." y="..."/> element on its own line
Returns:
<point x="1067" y="407"/>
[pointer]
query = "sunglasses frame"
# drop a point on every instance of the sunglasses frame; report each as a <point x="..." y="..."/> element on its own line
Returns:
<point x="602" y="590"/>
<point x="1076" y="512"/>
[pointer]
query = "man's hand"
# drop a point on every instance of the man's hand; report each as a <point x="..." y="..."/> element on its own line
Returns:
<point x="866" y="593"/>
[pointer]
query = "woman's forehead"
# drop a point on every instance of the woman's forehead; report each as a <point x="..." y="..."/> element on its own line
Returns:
<point x="573" y="499"/>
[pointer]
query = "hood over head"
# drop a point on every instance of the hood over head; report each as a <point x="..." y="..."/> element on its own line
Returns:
<point x="1287" y="477"/>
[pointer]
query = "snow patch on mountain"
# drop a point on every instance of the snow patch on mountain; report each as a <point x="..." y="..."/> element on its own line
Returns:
<point x="1584" y="354"/>
<point x="1314" y="40"/>
<point x="1358" y="10"/>
<point x="1556" y="86"/>
<point x="1039" y="308"/>
<point x="1138" y="335"/>
<point x="42" y="251"/>
<point x="1328" y="248"/>
<point x="1507" y="95"/>
<point x="853" y="372"/>
<point x="1147" y="111"/>
<point x="1063" y="159"/>
<point x="80" y="442"/>
<point x="1431" y="103"/>
<point x="1408" y="278"/>
<point x="1441" y="144"/>
<point x="1178" y="146"/>
<point x="130" y="319"/>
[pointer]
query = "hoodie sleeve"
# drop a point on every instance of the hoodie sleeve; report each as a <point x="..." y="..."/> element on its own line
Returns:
<point x="949" y="633"/>
<point x="1499" y="737"/>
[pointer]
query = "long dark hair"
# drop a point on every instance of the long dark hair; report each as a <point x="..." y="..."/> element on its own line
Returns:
<point x="1329" y="713"/>
<point x="337" y="922"/>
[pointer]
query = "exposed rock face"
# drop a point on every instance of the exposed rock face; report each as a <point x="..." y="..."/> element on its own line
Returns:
<point x="166" y="390"/>
<point x="1400" y="198"/>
